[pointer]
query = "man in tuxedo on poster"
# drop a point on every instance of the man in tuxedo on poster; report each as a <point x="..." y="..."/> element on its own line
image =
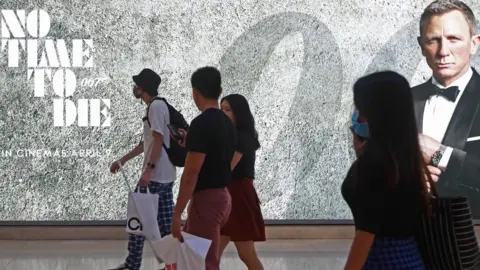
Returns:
<point x="448" y="105"/>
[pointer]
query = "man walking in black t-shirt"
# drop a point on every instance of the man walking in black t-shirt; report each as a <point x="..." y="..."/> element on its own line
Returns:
<point x="210" y="142"/>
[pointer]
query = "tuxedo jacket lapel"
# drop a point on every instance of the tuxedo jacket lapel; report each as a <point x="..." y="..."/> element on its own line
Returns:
<point x="420" y="97"/>
<point x="462" y="119"/>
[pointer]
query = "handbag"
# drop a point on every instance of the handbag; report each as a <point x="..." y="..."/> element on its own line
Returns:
<point x="446" y="234"/>
<point x="142" y="211"/>
<point x="149" y="240"/>
<point x="188" y="255"/>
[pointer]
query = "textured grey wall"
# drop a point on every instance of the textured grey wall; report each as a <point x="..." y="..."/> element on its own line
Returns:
<point x="295" y="61"/>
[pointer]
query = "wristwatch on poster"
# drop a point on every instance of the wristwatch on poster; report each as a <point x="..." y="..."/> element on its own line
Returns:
<point x="151" y="165"/>
<point x="437" y="156"/>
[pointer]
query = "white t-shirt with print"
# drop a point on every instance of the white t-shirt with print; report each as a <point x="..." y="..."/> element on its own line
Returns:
<point x="165" y="171"/>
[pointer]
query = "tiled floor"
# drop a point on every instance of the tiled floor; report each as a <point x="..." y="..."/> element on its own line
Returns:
<point x="101" y="255"/>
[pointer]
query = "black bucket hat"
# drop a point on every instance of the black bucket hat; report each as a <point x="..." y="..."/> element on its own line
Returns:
<point x="148" y="80"/>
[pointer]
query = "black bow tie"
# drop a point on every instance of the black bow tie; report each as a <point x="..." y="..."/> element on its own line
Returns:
<point x="450" y="93"/>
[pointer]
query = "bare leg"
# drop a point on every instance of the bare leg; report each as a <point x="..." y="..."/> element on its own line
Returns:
<point x="248" y="254"/>
<point x="224" y="240"/>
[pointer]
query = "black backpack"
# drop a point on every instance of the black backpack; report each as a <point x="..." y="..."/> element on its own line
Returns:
<point x="176" y="153"/>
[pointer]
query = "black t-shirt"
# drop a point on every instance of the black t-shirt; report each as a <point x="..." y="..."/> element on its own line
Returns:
<point x="213" y="134"/>
<point x="246" y="145"/>
<point x="385" y="212"/>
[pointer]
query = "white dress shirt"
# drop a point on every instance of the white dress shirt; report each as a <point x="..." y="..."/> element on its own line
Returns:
<point x="438" y="113"/>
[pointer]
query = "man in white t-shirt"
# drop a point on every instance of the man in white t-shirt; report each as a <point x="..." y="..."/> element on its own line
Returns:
<point x="158" y="173"/>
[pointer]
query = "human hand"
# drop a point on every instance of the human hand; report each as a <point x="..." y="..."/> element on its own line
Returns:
<point x="183" y="133"/>
<point x="146" y="177"/>
<point x="429" y="146"/>
<point x="114" y="167"/>
<point x="176" y="228"/>
<point x="434" y="174"/>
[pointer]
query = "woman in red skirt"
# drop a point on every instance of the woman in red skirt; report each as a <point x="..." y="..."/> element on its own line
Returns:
<point x="245" y="224"/>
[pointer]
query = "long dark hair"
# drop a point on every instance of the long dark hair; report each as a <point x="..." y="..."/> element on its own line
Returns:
<point x="244" y="120"/>
<point x="391" y="157"/>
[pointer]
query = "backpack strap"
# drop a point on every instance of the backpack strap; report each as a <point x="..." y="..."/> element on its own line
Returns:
<point x="148" y="109"/>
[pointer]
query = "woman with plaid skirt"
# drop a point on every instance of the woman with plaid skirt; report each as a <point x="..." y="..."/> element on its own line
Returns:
<point x="385" y="187"/>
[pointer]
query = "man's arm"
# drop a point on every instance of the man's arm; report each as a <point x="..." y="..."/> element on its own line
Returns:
<point x="197" y="143"/>
<point x="157" y="115"/>
<point x="193" y="165"/>
<point x="447" y="153"/>
<point x="460" y="168"/>
<point x="133" y="153"/>
<point x="156" y="147"/>
<point x="464" y="170"/>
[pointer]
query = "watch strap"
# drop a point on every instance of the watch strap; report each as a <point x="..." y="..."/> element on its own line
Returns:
<point x="437" y="156"/>
<point x="151" y="165"/>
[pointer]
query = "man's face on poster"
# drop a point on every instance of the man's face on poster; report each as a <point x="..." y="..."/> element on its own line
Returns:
<point x="447" y="44"/>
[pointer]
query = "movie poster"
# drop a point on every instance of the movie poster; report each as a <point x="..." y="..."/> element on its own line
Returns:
<point x="68" y="112"/>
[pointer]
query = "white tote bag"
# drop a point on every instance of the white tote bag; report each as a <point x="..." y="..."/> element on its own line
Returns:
<point x="142" y="213"/>
<point x="135" y="206"/>
<point x="188" y="255"/>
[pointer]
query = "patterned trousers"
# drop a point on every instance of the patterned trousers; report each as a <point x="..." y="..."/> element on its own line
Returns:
<point x="164" y="218"/>
<point x="393" y="253"/>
